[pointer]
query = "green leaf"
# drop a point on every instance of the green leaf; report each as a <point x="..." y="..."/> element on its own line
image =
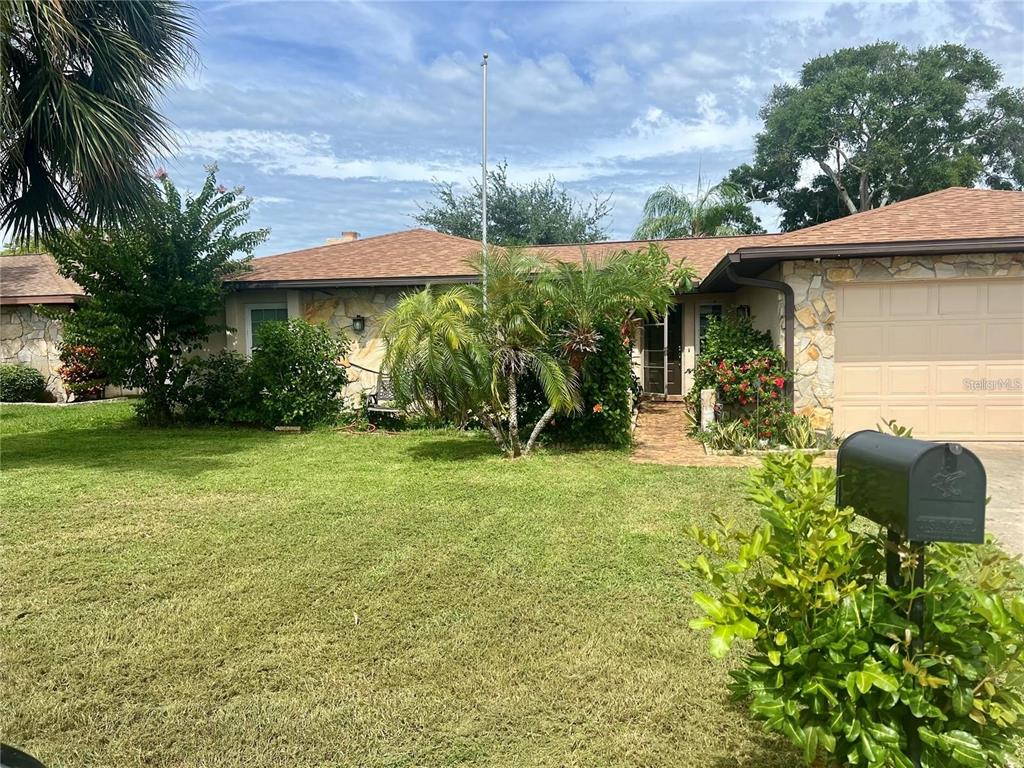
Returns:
<point x="966" y="749"/>
<point x="962" y="699"/>
<point x="711" y="606"/>
<point x="810" y="743"/>
<point x="721" y="642"/>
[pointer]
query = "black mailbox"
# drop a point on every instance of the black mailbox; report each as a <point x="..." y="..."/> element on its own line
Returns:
<point x="924" y="491"/>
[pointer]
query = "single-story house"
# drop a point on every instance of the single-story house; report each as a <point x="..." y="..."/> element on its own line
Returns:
<point x="913" y="312"/>
<point x="29" y="337"/>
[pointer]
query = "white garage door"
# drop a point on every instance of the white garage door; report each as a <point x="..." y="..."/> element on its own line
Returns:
<point x="943" y="356"/>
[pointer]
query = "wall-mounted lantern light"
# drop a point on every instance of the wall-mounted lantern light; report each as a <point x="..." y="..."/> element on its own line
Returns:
<point x="358" y="323"/>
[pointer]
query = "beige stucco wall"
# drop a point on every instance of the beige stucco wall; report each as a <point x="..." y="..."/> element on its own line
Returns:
<point x="28" y="338"/>
<point x="814" y="285"/>
<point x="334" y="306"/>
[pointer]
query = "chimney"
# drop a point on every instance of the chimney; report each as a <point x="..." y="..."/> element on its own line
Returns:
<point x="346" y="237"/>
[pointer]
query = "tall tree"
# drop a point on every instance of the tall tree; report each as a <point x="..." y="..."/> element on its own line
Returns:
<point x="878" y="124"/>
<point x="155" y="283"/>
<point x="713" y="211"/>
<point x="77" y="121"/>
<point x="538" y="213"/>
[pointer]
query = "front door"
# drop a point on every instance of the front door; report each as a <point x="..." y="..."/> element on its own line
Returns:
<point x="663" y="354"/>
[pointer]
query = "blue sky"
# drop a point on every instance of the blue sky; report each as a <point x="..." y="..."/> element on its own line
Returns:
<point x="337" y="116"/>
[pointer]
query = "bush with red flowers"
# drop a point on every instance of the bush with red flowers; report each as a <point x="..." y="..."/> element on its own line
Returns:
<point x="749" y="374"/>
<point x="81" y="372"/>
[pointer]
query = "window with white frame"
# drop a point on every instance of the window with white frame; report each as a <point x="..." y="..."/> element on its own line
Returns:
<point x="704" y="314"/>
<point x="258" y="314"/>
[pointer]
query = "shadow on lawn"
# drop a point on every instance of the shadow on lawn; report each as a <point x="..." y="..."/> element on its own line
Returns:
<point x="455" y="448"/>
<point x="182" y="452"/>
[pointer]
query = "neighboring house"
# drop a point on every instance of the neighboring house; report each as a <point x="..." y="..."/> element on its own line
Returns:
<point x="27" y="336"/>
<point x="914" y="311"/>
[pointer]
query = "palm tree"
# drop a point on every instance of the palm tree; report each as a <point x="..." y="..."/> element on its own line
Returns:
<point x="448" y="356"/>
<point x="78" y="124"/>
<point x="713" y="211"/>
<point x="451" y="357"/>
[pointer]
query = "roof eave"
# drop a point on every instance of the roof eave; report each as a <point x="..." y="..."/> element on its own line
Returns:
<point x="360" y="282"/>
<point x="63" y="298"/>
<point x="766" y="256"/>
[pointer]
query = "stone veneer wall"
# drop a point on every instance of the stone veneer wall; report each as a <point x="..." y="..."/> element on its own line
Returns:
<point x="337" y="307"/>
<point x="28" y="338"/>
<point x="814" y="285"/>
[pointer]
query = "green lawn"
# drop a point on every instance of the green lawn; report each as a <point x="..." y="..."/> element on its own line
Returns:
<point x="216" y="597"/>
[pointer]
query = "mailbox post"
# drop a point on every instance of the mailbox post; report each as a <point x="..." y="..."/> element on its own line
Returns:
<point x="920" y="492"/>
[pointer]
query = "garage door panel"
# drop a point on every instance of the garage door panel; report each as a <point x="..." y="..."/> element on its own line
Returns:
<point x="961" y="420"/>
<point x="951" y="378"/>
<point x="908" y="341"/>
<point x="861" y="381"/>
<point x="959" y="341"/>
<point x="956" y="298"/>
<point x="863" y="342"/>
<point x="909" y="380"/>
<point x="909" y="300"/>
<point x="1004" y="421"/>
<point x="861" y="303"/>
<point x="1005" y="339"/>
<point x="1005" y="299"/>
<point x="945" y="357"/>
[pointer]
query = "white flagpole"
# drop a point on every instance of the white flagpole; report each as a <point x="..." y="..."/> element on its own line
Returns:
<point x="483" y="183"/>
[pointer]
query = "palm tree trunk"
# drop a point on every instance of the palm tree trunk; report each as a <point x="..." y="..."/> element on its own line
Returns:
<point x="495" y="431"/>
<point x="538" y="428"/>
<point x="515" y="448"/>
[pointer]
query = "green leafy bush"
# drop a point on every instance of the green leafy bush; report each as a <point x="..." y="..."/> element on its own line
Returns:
<point x="833" y="661"/>
<point x="607" y="397"/>
<point x="21" y="384"/>
<point x="296" y="374"/>
<point x="218" y="390"/>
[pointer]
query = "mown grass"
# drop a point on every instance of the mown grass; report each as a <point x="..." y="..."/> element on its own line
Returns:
<point x="220" y="597"/>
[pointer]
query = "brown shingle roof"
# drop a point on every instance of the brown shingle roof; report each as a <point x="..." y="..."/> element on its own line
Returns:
<point x="33" y="279"/>
<point x="957" y="213"/>
<point x="422" y="254"/>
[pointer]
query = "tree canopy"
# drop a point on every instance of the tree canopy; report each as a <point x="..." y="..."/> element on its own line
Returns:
<point x="712" y="211"/>
<point x="538" y="213"/>
<point x="877" y="124"/>
<point x="155" y="283"/>
<point x="77" y="117"/>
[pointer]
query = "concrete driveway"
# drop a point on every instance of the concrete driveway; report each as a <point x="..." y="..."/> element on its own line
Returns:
<point x="1004" y="469"/>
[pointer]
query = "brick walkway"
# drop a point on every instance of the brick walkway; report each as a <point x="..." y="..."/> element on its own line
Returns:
<point x="661" y="438"/>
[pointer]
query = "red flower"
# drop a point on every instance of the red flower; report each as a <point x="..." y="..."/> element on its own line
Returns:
<point x="775" y="393"/>
<point x="763" y="378"/>
<point x="743" y="400"/>
<point x="725" y="387"/>
<point x="746" y="422"/>
<point x="779" y="382"/>
<point x="744" y="385"/>
<point x="598" y="408"/>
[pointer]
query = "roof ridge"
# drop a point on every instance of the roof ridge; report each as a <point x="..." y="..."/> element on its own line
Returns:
<point x="658" y="240"/>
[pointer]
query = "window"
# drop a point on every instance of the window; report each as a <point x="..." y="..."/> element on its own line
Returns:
<point x="258" y="314"/>
<point x="704" y="314"/>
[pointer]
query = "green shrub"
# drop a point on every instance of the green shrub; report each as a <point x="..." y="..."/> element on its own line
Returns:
<point x="21" y="384"/>
<point x="833" y="661"/>
<point x="81" y="372"/>
<point x="749" y="374"/>
<point x="296" y="375"/>
<point x="218" y="390"/>
<point x="607" y="397"/>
